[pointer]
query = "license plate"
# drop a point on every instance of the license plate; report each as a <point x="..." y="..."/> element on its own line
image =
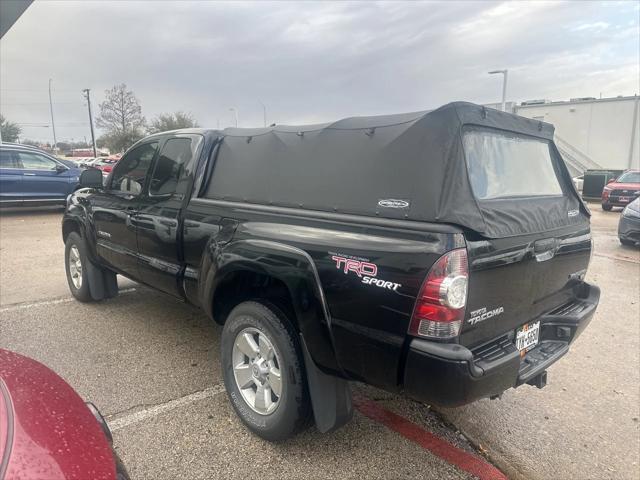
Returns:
<point x="623" y="199"/>
<point x="527" y="336"/>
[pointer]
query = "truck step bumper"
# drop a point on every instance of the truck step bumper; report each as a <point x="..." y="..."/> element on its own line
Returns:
<point x="450" y="375"/>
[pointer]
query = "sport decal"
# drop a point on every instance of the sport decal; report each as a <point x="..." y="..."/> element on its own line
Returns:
<point x="364" y="269"/>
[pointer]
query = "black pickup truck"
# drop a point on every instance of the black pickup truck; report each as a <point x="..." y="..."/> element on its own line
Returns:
<point x="441" y="254"/>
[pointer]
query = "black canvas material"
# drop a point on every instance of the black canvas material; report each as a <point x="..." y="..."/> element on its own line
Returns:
<point x="409" y="166"/>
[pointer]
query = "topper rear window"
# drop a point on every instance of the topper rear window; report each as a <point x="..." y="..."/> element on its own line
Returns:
<point x="501" y="164"/>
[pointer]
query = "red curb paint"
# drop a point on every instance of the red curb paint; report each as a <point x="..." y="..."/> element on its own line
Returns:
<point x="427" y="440"/>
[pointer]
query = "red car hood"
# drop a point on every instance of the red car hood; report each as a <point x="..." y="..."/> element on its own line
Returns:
<point x="623" y="186"/>
<point x="46" y="430"/>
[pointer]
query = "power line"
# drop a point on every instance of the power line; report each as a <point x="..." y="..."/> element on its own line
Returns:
<point x="40" y="103"/>
<point x="35" y="90"/>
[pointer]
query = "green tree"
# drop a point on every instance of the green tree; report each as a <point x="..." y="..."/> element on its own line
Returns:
<point x="121" y="118"/>
<point x="172" y="121"/>
<point x="9" y="131"/>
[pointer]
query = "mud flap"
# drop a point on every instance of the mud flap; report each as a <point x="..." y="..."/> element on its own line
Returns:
<point x="103" y="284"/>
<point x="330" y="396"/>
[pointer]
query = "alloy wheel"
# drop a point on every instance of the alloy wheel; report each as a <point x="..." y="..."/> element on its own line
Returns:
<point x="75" y="267"/>
<point x="257" y="370"/>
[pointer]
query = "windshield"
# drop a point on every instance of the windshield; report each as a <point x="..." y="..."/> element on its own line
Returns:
<point x="503" y="165"/>
<point x="629" y="177"/>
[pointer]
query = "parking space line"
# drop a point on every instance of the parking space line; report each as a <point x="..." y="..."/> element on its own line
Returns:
<point x="427" y="440"/>
<point x="116" y="423"/>
<point x="21" y="306"/>
<point x="613" y="257"/>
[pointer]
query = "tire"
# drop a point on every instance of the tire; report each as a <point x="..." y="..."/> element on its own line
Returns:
<point x="95" y="283"/>
<point x="606" y="208"/>
<point x="628" y="243"/>
<point x="275" y="348"/>
<point x="75" y="262"/>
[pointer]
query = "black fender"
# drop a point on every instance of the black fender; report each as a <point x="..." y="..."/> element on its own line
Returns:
<point x="102" y="283"/>
<point x="78" y="214"/>
<point x="328" y="387"/>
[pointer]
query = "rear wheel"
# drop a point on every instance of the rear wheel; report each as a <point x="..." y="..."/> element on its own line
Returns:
<point x="263" y="371"/>
<point x="606" y="208"/>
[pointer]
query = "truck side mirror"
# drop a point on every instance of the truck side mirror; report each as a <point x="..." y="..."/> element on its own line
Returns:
<point x="91" y="178"/>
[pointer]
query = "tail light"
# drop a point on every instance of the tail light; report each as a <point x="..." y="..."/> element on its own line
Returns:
<point x="440" y="307"/>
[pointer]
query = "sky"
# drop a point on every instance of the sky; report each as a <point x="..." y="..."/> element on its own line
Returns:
<point x="308" y="62"/>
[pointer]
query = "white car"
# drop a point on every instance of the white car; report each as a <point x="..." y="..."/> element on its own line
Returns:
<point x="578" y="182"/>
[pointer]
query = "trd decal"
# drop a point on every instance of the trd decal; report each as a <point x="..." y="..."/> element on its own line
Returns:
<point x="483" y="314"/>
<point x="355" y="266"/>
<point x="367" y="271"/>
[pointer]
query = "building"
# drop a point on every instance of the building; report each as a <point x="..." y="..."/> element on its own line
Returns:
<point x="592" y="133"/>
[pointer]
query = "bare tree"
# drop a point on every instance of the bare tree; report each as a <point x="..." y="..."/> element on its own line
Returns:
<point x="172" y="121"/>
<point x="121" y="117"/>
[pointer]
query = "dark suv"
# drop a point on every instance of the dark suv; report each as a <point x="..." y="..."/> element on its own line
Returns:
<point x="441" y="254"/>
<point x="30" y="176"/>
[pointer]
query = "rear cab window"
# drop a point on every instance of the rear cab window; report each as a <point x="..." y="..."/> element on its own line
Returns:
<point x="503" y="165"/>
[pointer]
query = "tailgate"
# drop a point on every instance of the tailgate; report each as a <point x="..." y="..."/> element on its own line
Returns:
<point x="514" y="280"/>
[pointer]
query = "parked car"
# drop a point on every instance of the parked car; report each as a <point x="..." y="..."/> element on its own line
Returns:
<point x="84" y="162"/>
<point x="621" y="191"/>
<point x="578" y="182"/>
<point x="105" y="165"/>
<point x="441" y="254"/>
<point x="29" y="176"/>
<point x="48" y="432"/>
<point x="629" y="224"/>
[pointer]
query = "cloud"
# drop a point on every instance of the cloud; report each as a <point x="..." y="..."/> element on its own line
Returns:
<point x="311" y="61"/>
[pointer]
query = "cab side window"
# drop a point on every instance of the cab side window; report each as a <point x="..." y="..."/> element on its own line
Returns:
<point x="130" y="172"/>
<point x="170" y="172"/>
<point x="33" y="161"/>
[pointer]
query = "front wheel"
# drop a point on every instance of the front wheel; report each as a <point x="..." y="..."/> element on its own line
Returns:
<point x="606" y="208"/>
<point x="263" y="371"/>
<point x="88" y="282"/>
<point x="75" y="260"/>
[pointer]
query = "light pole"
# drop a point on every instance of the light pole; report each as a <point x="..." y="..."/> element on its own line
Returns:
<point x="235" y="111"/>
<point x="53" y="125"/>
<point x="504" y="87"/>
<point x="264" y="113"/>
<point x="93" y="135"/>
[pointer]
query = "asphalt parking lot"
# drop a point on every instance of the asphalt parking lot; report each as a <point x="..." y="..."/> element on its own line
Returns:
<point x="151" y="364"/>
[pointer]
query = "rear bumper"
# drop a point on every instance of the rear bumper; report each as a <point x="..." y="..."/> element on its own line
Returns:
<point x="450" y="375"/>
